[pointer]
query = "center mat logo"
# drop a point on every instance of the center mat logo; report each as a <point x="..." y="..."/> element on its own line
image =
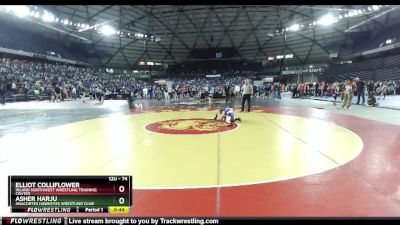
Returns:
<point x="190" y="126"/>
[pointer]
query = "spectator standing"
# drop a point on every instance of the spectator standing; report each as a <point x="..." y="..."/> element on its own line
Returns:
<point x="336" y="91"/>
<point x="145" y="92"/>
<point x="2" y="94"/>
<point x="349" y="89"/>
<point x="383" y="90"/>
<point x="73" y="93"/>
<point x="36" y="91"/>
<point x="165" y="90"/>
<point x="57" y="91"/>
<point x="26" y="90"/>
<point x="277" y="91"/>
<point x="50" y="93"/>
<point x="267" y="90"/>
<point x="294" y="90"/>
<point x="360" y="91"/>
<point x="237" y="91"/>
<point x="370" y="87"/>
<point x="317" y="90"/>
<point x="14" y="88"/>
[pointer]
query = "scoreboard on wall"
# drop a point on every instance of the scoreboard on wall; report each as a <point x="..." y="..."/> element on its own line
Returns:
<point x="69" y="194"/>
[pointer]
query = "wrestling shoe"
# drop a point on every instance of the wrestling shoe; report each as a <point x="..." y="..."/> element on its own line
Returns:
<point x="216" y="116"/>
<point x="238" y="119"/>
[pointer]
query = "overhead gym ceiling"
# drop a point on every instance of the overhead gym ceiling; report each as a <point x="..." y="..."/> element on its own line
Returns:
<point x="182" y="28"/>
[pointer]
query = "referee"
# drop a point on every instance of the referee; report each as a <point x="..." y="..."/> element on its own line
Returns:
<point x="247" y="92"/>
<point x="227" y="92"/>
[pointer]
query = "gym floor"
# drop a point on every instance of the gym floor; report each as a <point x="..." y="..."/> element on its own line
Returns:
<point x="290" y="157"/>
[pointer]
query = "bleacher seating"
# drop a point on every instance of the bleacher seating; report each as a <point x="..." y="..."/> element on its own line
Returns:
<point x="385" y="68"/>
<point x="16" y="39"/>
<point x="391" y="33"/>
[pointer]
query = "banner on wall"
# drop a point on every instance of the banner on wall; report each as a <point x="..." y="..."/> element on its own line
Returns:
<point x="213" y="75"/>
<point x="288" y="72"/>
<point x="161" y="82"/>
<point x="268" y="79"/>
<point x="307" y="70"/>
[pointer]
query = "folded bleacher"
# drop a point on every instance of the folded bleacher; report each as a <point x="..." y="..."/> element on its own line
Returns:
<point x="385" y="68"/>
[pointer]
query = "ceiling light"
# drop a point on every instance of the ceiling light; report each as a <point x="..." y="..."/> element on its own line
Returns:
<point x="369" y="8"/>
<point x="70" y="23"/>
<point x="37" y="15"/>
<point x="107" y="30"/>
<point x="56" y="20"/>
<point x="65" y="22"/>
<point x="340" y="17"/>
<point x="389" y="41"/>
<point x="346" y="15"/>
<point x="326" y="20"/>
<point x="294" y="27"/>
<point x="48" y="17"/>
<point x="375" y="7"/>
<point x="19" y="10"/>
<point x="359" y="11"/>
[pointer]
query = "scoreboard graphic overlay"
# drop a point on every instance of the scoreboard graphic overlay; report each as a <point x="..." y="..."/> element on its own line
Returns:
<point x="69" y="194"/>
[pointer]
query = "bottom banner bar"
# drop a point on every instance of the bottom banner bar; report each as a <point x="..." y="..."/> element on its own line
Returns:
<point x="140" y="221"/>
<point x="171" y="220"/>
